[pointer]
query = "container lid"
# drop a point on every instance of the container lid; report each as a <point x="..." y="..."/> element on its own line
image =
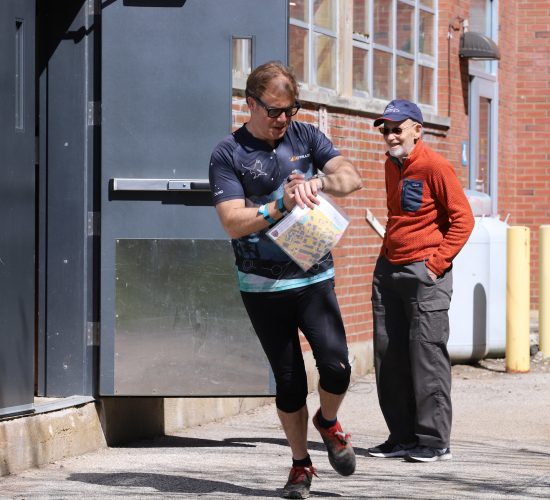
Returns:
<point x="480" y="202"/>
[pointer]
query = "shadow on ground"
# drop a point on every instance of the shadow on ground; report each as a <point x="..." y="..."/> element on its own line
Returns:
<point x="166" y="483"/>
<point x="187" y="442"/>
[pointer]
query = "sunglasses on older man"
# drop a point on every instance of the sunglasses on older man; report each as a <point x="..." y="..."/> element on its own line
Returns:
<point x="394" y="130"/>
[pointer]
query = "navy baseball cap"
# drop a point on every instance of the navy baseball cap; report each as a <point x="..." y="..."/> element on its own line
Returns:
<point x="399" y="110"/>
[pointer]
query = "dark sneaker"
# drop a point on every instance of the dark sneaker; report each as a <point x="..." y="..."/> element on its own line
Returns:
<point x="391" y="450"/>
<point x="340" y="452"/>
<point x="427" y="454"/>
<point x="299" y="482"/>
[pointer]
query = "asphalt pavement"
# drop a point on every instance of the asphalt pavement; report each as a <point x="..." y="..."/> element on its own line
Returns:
<point x="500" y="445"/>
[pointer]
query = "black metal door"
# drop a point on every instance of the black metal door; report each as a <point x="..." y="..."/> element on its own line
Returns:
<point x="17" y="201"/>
<point x="172" y="322"/>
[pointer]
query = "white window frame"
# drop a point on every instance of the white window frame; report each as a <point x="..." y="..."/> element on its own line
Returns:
<point x="491" y="30"/>
<point x="484" y="83"/>
<point x="347" y="40"/>
<point x="311" y="73"/>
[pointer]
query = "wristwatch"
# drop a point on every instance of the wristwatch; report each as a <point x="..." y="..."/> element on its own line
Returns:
<point x="265" y="214"/>
<point x="320" y="177"/>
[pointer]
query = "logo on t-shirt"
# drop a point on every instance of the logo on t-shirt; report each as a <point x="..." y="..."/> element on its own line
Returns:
<point x="256" y="170"/>
<point x="217" y="191"/>
<point x="299" y="157"/>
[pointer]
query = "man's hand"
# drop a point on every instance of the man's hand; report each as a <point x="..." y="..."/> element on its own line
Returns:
<point x="431" y="274"/>
<point x="303" y="193"/>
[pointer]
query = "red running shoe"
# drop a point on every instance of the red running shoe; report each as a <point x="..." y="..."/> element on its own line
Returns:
<point x="340" y="452"/>
<point x="299" y="482"/>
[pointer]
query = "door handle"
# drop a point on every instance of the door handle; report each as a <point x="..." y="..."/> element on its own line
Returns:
<point x="131" y="184"/>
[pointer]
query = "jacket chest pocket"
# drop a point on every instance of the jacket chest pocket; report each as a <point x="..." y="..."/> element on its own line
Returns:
<point x="411" y="195"/>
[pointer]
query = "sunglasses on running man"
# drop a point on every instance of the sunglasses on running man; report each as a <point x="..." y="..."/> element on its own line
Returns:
<point x="276" y="112"/>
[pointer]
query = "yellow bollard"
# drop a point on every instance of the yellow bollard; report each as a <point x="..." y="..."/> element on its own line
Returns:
<point x="544" y="290"/>
<point x="517" y="300"/>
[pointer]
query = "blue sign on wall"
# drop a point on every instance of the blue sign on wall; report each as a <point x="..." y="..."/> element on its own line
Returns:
<point x="464" y="155"/>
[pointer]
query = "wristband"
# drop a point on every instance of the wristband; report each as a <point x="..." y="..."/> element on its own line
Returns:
<point x="265" y="214"/>
<point x="281" y="206"/>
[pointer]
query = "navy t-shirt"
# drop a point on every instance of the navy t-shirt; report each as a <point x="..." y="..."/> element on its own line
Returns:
<point x="243" y="167"/>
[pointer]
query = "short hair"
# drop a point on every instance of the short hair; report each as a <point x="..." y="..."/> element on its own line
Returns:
<point x="259" y="79"/>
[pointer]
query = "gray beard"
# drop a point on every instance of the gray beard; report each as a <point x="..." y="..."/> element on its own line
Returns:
<point x="398" y="154"/>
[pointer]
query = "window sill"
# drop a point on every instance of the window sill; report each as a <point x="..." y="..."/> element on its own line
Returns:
<point x="368" y="107"/>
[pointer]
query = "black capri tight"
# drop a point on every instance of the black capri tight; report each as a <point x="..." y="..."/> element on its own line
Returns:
<point x="276" y="318"/>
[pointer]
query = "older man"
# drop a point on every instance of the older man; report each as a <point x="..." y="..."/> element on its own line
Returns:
<point x="429" y="221"/>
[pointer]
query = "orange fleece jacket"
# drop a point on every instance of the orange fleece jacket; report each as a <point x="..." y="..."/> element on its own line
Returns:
<point x="429" y="216"/>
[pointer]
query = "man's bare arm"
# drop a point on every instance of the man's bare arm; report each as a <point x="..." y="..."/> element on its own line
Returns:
<point x="340" y="179"/>
<point x="239" y="220"/>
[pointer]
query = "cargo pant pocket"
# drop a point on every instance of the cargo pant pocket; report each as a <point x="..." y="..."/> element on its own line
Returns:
<point x="433" y="321"/>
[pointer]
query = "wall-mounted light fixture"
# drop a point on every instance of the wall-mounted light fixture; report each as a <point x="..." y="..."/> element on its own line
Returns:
<point x="477" y="45"/>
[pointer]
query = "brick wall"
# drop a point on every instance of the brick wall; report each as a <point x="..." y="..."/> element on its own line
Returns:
<point x="530" y="193"/>
<point x="523" y="145"/>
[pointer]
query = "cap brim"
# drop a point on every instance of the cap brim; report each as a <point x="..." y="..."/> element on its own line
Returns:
<point x="382" y="119"/>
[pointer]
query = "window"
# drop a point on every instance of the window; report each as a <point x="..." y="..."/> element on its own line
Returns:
<point x="361" y="34"/>
<point x="313" y="42"/>
<point x="482" y="165"/>
<point x="241" y="62"/>
<point x="391" y="47"/>
<point x="482" y="20"/>
<point x="483" y="106"/>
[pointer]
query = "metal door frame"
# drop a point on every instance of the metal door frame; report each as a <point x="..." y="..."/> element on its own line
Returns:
<point x="484" y="85"/>
<point x="17" y="204"/>
<point x="68" y="254"/>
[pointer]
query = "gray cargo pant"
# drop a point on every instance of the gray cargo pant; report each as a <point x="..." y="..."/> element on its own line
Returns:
<point x="413" y="368"/>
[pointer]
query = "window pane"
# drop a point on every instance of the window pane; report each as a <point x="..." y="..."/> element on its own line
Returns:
<point x="360" y="69"/>
<point x="404" y="78"/>
<point x="482" y="174"/>
<point x="361" y="17"/>
<point x="298" y="9"/>
<point x="425" y="85"/>
<point x="298" y="52"/>
<point x="325" y="61"/>
<point x="242" y="56"/>
<point x="426" y="33"/>
<point x="382" y="18"/>
<point x="478" y="16"/>
<point x="427" y="3"/>
<point x="404" y="28"/>
<point x="324" y="14"/>
<point x="480" y="21"/>
<point x="381" y="72"/>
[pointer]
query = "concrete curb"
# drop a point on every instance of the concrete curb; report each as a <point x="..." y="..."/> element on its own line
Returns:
<point x="36" y="440"/>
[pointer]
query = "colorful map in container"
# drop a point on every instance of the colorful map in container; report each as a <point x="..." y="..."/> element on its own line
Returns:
<point x="307" y="235"/>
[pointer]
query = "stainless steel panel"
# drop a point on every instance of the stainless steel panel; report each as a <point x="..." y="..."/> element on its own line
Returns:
<point x="181" y="328"/>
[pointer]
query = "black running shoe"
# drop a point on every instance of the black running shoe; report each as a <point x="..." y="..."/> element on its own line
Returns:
<point x="391" y="450"/>
<point x="427" y="454"/>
